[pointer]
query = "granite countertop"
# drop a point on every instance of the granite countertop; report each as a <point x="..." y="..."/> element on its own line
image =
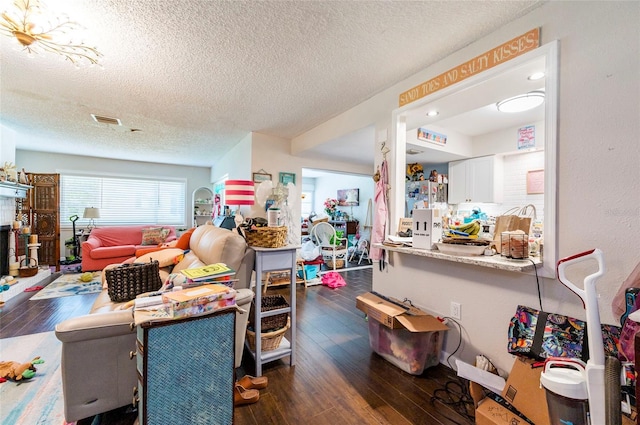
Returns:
<point x="495" y="261"/>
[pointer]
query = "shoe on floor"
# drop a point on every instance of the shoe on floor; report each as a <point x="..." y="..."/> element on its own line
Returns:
<point x="242" y="396"/>
<point x="252" y="382"/>
<point x="34" y="288"/>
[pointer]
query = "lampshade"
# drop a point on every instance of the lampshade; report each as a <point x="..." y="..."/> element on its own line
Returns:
<point x="91" y="212"/>
<point x="239" y="192"/>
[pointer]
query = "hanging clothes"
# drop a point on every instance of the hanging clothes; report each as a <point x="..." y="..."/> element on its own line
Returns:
<point x="381" y="212"/>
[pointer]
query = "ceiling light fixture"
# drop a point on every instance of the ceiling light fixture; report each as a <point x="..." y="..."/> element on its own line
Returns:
<point x="522" y="102"/>
<point x="536" y="76"/>
<point x="432" y="113"/>
<point x="29" y="24"/>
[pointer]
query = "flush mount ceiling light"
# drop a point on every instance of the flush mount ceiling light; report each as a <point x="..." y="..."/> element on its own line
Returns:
<point x="35" y="32"/>
<point x="432" y="113"/>
<point x="522" y="102"/>
<point x="536" y="76"/>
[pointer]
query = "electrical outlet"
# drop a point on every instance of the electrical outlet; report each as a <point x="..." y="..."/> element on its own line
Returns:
<point x="456" y="310"/>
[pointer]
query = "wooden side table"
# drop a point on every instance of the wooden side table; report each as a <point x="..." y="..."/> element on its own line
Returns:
<point x="274" y="259"/>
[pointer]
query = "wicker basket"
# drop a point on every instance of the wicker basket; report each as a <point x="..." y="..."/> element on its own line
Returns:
<point x="339" y="263"/>
<point x="28" y="271"/>
<point x="126" y="281"/>
<point x="267" y="237"/>
<point x="270" y="323"/>
<point x="269" y="340"/>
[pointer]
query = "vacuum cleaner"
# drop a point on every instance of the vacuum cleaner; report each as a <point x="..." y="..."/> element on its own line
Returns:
<point x="581" y="393"/>
<point x="73" y="243"/>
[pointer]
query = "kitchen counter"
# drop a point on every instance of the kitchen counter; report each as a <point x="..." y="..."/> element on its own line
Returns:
<point x="494" y="261"/>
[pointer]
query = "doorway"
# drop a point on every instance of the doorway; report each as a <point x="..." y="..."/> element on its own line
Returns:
<point x="353" y="217"/>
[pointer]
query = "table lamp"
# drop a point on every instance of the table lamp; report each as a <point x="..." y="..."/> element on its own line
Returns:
<point x="239" y="192"/>
<point x="91" y="213"/>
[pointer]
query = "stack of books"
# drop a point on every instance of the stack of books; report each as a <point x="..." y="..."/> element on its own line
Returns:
<point x="212" y="273"/>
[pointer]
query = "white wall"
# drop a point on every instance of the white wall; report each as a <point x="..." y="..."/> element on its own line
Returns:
<point x="273" y="155"/>
<point x="327" y="187"/>
<point x="7" y="145"/>
<point x="598" y="173"/>
<point x="7" y="154"/>
<point x="506" y="140"/>
<point x="236" y="164"/>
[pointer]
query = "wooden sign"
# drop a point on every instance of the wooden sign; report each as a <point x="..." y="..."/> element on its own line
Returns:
<point x="507" y="51"/>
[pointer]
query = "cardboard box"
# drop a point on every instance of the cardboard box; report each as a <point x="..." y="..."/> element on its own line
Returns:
<point x="405" y="224"/>
<point x="490" y="412"/>
<point x="198" y="300"/>
<point x="404" y="335"/>
<point x="427" y="227"/>
<point x="524" y="392"/>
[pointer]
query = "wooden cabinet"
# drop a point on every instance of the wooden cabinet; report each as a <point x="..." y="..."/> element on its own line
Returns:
<point x="185" y="370"/>
<point x="41" y="210"/>
<point x="476" y="180"/>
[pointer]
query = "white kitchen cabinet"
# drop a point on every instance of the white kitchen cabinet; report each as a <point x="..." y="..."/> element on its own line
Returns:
<point x="476" y="180"/>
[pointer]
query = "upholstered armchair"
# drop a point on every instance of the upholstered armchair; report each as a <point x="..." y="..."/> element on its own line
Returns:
<point x="98" y="373"/>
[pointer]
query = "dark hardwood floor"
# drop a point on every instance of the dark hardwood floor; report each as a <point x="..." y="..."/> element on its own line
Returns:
<point x="336" y="379"/>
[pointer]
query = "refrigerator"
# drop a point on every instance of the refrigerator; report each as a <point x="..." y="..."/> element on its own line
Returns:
<point x="424" y="194"/>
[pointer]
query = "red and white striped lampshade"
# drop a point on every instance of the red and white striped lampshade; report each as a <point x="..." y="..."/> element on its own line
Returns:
<point x="239" y="192"/>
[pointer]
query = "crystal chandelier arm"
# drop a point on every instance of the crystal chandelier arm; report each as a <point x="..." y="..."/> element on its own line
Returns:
<point x="68" y="51"/>
<point x="27" y="34"/>
<point x="60" y="27"/>
<point x="9" y="23"/>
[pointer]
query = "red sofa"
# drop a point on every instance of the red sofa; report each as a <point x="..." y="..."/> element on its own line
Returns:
<point x="110" y="245"/>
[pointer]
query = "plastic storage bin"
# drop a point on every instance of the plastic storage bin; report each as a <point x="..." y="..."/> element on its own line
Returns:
<point x="311" y="270"/>
<point x="412" y="352"/>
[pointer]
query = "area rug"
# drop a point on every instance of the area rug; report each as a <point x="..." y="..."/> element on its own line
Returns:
<point x="69" y="284"/>
<point x="37" y="400"/>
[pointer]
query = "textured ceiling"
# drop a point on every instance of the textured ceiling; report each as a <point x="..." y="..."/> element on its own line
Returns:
<point x="197" y="76"/>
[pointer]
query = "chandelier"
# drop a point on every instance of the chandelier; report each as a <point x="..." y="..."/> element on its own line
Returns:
<point x="35" y="32"/>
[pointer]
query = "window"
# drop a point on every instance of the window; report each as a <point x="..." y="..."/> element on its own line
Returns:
<point x="123" y="201"/>
<point x="308" y="197"/>
<point x="306" y="206"/>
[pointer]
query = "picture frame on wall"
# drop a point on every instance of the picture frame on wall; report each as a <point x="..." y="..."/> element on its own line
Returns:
<point x="261" y="177"/>
<point x="348" y="197"/>
<point x="286" y="178"/>
<point x="535" y="182"/>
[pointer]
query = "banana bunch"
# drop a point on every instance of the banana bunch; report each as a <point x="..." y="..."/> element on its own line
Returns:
<point x="472" y="228"/>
